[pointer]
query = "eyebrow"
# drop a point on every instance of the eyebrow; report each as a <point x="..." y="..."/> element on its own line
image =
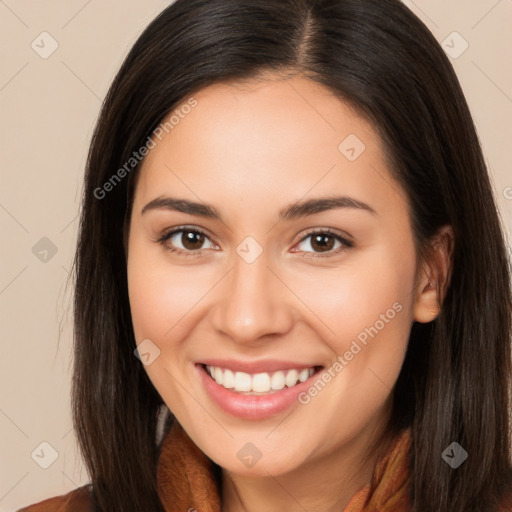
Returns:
<point x="296" y="210"/>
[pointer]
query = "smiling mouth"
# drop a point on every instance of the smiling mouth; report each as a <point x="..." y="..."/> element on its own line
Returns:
<point x="262" y="383"/>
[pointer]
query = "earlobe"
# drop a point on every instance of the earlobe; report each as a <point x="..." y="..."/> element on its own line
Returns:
<point x="434" y="277"/>
<point x="426" y="305"/>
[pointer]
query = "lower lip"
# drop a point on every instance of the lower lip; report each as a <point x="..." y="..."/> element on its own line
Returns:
<point x="252" y="407"/>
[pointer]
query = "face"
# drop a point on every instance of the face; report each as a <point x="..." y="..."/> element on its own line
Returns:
<point x="264" y="290"/>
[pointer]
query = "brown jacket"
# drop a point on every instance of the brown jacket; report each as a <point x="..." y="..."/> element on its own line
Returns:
<point x="182" y="463"/>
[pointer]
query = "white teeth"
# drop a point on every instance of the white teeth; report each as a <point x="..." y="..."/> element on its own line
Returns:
<point x="228" y="379"/>
<point x="261" y="382"/>
<point x="291" y="378"/>
<point x="258" y="383"/>
<point x="304" y="375"/>
<point x="277" y="381"/>
<point x="242" y="381"/>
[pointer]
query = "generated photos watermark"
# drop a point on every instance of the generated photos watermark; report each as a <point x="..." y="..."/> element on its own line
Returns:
<point x="342" y="361"/>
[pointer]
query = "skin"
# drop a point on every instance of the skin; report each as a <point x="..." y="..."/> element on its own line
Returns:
<point x="251" y="149"/>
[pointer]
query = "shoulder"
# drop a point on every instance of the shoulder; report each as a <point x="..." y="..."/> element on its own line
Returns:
<point x="79" y="500"/>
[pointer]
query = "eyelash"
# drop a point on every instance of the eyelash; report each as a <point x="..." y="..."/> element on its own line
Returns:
<point x="169" y="234"/>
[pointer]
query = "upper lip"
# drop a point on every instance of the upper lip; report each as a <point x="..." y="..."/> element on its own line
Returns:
<point x="261" y="366"/>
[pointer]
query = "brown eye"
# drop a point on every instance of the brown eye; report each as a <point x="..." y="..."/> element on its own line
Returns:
<point x="192" y="240"/>
<point x="323" y="243"/>
<point x="186" y="241"/>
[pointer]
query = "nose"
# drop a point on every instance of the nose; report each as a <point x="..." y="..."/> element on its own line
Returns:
<point x="254" y="302"/>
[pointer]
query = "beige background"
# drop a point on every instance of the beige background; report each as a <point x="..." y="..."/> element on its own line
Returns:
<point x="48" y="108"/>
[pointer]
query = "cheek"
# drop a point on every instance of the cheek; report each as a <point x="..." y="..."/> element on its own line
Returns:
<point x="165" y="301"/>
<point x="160" y="296"/>
<point x="157" y="297"/>
<point x="154" y="301"/>
<point x="365" y="309"/>
<point x="355" y="295"/>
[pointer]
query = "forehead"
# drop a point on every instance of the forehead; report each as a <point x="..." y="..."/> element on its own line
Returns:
<point x="252" y="142"/>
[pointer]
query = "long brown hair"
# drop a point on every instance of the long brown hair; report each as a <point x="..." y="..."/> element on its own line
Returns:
<point x="375" y="54"/>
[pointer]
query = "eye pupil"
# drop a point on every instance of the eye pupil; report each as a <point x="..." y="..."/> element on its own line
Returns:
<point x="320" y="240"/>
<point x="192" y="239"/>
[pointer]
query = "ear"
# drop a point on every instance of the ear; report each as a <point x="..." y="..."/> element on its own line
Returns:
<point x="434" y="276"/>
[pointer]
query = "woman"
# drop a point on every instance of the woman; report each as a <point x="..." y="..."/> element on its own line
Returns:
<point x="289" y="241"/>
